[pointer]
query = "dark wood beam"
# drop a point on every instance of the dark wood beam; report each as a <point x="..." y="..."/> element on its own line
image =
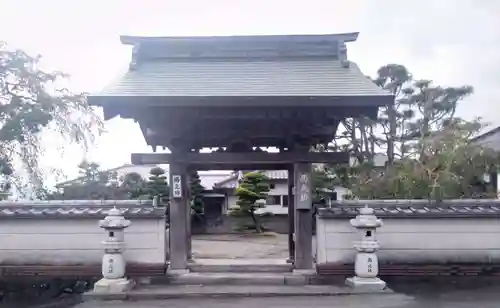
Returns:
<point x="237" y="166"/>
<point x="243" y="159"/>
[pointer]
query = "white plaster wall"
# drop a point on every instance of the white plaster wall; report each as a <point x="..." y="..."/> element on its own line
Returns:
<point x="275" y="209"/>
<point x="414" y="240"/>
<point x="76" y="241"/>
<point x="231" y="202"/>
<point x="280" y="189"/>
<point x="341" y="192"/>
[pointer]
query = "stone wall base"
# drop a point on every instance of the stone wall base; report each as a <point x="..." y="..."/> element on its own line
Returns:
<point x="415" y="270"/>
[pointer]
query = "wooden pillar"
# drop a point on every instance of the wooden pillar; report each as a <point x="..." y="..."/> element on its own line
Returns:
<point x="189" y="252"/>
<point x="496" y="183"/>
<point x="303" y="260"/>
<point x="179" y="200"/>
<point x="291" y="215"/>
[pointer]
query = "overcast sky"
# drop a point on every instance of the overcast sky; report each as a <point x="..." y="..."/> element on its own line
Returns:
<point x="452" y="42"/>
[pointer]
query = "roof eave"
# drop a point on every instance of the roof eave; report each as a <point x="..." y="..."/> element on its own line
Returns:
<point x="344" y="37"/>
<point x="283" y="100"/>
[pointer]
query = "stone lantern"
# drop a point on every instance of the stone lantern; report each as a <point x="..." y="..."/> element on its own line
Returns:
<point x="366" y="262"/>
<point x="113" y="263"/>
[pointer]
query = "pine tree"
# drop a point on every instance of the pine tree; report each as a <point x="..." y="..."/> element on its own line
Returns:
<point x="196" y="194"/>
<point x="253" y="187"/>
<point x="157" y="185"/>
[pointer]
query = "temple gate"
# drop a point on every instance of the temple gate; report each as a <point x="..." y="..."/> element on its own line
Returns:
<point x="239" y="95"/>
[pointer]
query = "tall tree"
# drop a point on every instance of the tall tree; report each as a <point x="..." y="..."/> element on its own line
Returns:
<point x="93" y="183"/>
<point x="393" y="78"/>
<point x="134" y="185"/>
<point x="421" y="112"/>
<point x="33" y="101"/>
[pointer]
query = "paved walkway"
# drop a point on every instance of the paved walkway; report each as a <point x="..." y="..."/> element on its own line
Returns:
<point x="483" y="298"/>
<point x="234" y="246"/>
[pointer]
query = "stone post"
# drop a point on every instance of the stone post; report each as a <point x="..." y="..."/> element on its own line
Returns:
<point x="366" y="262"/>
<point x="113" y="263"/>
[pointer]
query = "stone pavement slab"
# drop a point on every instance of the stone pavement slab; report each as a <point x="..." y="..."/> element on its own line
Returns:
<point x="412" y="296"/>
<point x="228" y="291"/>
<point x="358" y="301"/>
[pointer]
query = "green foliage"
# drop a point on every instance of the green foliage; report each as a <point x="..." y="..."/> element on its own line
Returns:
<point x="33" y="102"/>
<point x="196" y="195"/>
<point x="322" y="184"/>
<point x="253" y="187"/>
<point x="90" y="172"/>
<point x="95" y="184"/>
<point x="420" y="108"/>
<point x="426" y="145"/>
<point x="134" y="185"/>
<point x="448" y="168"/>
<point x="157" y="185"/>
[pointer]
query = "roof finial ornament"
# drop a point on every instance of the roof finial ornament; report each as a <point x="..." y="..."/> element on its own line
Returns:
<point x="135" y="57"/>
<point x="343" y="55"/>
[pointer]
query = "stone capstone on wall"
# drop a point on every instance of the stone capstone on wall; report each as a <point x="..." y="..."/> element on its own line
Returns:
<point x="465" y="208"/>
<point x="78" y="209"/>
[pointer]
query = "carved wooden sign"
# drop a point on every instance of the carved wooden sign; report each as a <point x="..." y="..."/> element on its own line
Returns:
<point x="303" y="193"/>
<point x="176" y="186"/>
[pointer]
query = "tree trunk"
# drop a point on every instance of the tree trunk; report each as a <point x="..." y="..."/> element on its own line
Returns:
<point x="256" y="222"/>
<point x="391" y="113"/>
<point x="365" y="139"/>
<point x="425" y="128"/>
<point x="372" y="143"/>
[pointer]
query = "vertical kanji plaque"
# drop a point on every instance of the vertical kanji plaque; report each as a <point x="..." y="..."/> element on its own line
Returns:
<point x="176" y="186"/>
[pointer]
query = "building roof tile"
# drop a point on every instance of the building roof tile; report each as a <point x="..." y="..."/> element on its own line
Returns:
<point x="463" y="208"/>
<point x="78" y="209"/>
<point x="244" y="78"/>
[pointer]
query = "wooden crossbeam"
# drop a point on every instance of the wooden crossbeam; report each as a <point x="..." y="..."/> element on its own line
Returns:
<point x="229" y="160"/>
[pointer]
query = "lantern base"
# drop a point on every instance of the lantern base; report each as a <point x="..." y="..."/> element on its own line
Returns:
<point x="365" y="284"/>
<point x="119" y="285"/>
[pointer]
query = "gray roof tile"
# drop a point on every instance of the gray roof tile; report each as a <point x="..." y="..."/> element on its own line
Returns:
<point x="416" y="208"/>
<point x="78" y="209"/>
<point x="306" y="77"/>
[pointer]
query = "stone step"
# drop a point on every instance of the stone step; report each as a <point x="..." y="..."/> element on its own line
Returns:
<point x="240" y="266"/>
<point x="198" y="268"/>
<point x="228" y="291"/>
<point x="276" y="279"/>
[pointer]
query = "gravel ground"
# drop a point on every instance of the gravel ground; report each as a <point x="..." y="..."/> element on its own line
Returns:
<point x="241" y="246"/>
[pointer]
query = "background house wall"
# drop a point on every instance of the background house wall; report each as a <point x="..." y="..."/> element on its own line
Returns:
<point x="275" y="204"/>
